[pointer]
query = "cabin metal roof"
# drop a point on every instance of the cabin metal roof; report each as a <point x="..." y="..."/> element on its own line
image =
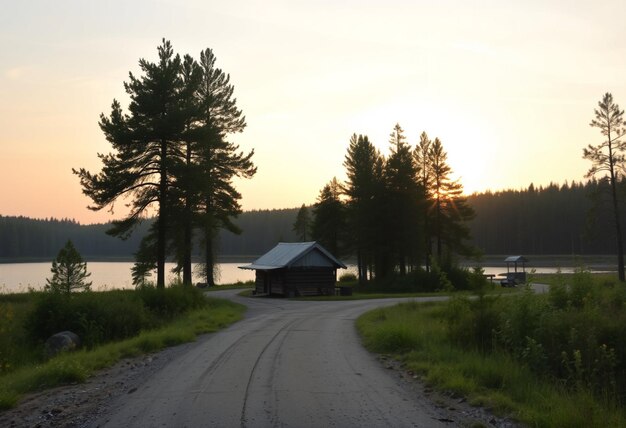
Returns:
<point x="516" y="259"/>
<point x="287" y="254"/>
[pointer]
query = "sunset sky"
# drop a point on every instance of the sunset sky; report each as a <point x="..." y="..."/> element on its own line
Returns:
<point x="509" y="87"/>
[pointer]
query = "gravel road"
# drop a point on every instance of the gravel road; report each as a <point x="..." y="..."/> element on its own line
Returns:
<point x="287" y="364"/>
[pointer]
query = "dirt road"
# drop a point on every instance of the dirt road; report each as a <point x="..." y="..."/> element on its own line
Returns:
<point x="288" y="364"/>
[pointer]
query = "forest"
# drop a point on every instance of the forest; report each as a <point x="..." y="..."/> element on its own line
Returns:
<point x="555" y="219"/>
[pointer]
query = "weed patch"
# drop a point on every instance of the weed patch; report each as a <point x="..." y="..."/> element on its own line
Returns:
<point x="76" y="367"/>
<point x="546" y="360"/>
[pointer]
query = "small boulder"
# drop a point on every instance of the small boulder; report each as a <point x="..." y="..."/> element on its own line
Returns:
<point x="63" y="341"/>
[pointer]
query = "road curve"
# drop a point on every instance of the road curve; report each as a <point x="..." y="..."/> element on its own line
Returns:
<point x="287" y="364"/>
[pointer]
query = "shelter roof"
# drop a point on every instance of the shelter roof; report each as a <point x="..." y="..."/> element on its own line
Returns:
<point x="516" y="259"/>
<point x="286" y="254"/>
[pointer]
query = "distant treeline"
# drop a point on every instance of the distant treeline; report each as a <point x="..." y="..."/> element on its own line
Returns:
<point x="23" y="238"/>
<point x="537" y="220"/>
<point x="568" y="219"/>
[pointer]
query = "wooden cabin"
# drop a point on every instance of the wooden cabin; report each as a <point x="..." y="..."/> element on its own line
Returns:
<point x="296" y="269"/>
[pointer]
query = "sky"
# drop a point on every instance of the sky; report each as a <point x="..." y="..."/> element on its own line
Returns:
<point x="508" y="87"/>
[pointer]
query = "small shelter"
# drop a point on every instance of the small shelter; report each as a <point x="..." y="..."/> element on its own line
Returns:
<point x="515" y="277"/>
<point x="296" y="269"/>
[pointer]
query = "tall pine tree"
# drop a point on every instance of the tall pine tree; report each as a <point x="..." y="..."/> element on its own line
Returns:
<point x="172" y="155"/>
<point x="302" y="225"/>
<point x="608" y="158"/>
<point x="451" y="210"/>
<point x="329" y="218"/>
<point x="364" y="189"/>
<point x="146" y="148"/>
<point x="219" y="160"/>
<point x="425" y="182"/>
<point x="403" y="199"/>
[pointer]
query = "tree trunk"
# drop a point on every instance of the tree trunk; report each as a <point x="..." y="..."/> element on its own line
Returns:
<point x="360" y="267"/>
<point x="438" y="228"/>
<point x="209" y="260"/>
<point x="162" y="224"/>
<point x="402" y="265"/>
<point x="188" y="229"/>
<point x="208" y="249"/>
<point x="427" y="239"/>
<point x="618" y="230"/>
<point x="187" y="279"/>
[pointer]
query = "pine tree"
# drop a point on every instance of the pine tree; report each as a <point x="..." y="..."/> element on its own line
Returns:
<point x="329" y="218"/>
<point x="147" y="147"/>
<point x="425" y="182"/>
<point x="403" y="200"/>
<point x="451" y="210"/>
<point x="608" y="158"/>
<point x="187" y="176"/>
<point x="69" y="272"/>
<point x="145" y="258"/>
<point x="302" y="225"/>
<point x="219" y="161"/>
<point x="364" y="189"/>
<point x="172" y="154"/>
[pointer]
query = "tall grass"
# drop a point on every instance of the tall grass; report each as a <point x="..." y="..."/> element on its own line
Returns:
<point x="100" y="317"/>
<point x="550" y="361"/>
<point x="76" y="367"/>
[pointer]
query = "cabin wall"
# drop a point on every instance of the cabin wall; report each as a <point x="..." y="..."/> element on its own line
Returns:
<point x="259" y="282"/>
<point x="297" y="281"/>
<point x="270" y="282"/>
<point x="310" y="281"/>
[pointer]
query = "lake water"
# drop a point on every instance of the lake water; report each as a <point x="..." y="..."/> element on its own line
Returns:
<point x="19" y="277"/>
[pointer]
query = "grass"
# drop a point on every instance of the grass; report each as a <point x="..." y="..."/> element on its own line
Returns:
<point x="239" y="285"/>
<point x="416" y="334"/>
<point x="365" y="296"/>
<point x="76" y="367"/>
<point x="553" y="278"/>
<point x="360" y="295"/>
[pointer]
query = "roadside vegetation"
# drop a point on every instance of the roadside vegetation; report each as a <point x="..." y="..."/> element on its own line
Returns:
<point x="112" y="325"/>
<point x="419" y="283"/>
<point x="551" y="360"/>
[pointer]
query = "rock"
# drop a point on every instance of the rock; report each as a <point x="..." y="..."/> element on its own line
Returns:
<point x="63" y="341"/>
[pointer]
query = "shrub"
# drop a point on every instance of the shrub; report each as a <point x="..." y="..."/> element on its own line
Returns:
<point x="576" y="334"/>
<point x="6" y="325"/>
<point x="347" y="277"/>
<point x="417" y="281"/>
<point x="171" y="301"/>
<point x="95" y="317"/>
<point x="101" y="317"/>
<point x="472" y="323"/>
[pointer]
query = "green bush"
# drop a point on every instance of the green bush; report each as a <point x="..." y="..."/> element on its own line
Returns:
<point x="575" y="334"/>
<point x="14" y="350"/>
<point x="347" y="277"/>
<point x="450" y="278"/>
<point x="171" y="301"/>
<point x="473" y="323"/>
<point x="101" y="317"/>
<point x="95" y="317"/>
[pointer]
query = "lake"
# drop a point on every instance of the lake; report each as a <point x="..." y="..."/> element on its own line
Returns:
<point x="19" y="277"/>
